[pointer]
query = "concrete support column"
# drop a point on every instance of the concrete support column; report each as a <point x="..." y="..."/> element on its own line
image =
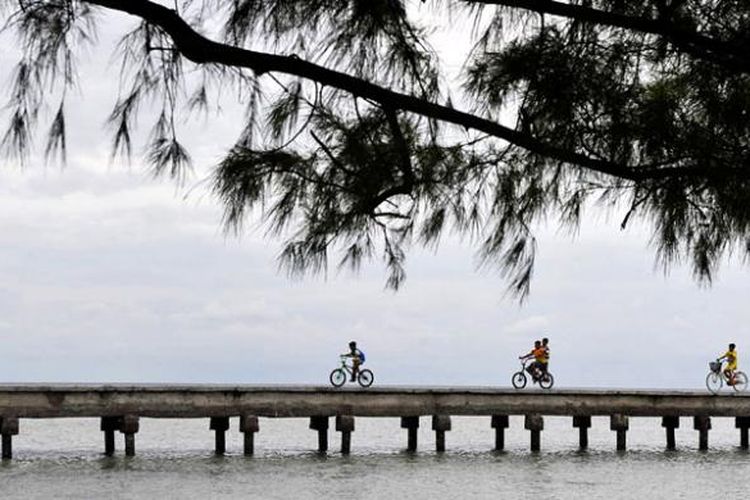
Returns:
<point x="129" y="425"/>
<point x="582" y="423"/>
<point x="620" y="424"/>
<point x="8" y="429"/>
<point x="248" y="427"/>
<point x="412" y="425"/>
<point x="220" y="425"/>
<point x="742" y="423"/>
<point x="535" y="424"/>
<point x="345" y="425"/>
<point x="670" y="424"/>
<point x="320" y="424"/>
<point x="109" y="425"/>
<point x="702" y="424"/>
<point x="440" y="424"/>
<point x="500" y="423"/>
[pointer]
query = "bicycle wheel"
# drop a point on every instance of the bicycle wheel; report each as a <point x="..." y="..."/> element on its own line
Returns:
<point x="714" y="382"/>
<point x="740" y="382"/>
<point x="518" y="380"/>
<point x="547" y="381"/>
<point x="338" y="377"/>
<point x="365" y="378"/>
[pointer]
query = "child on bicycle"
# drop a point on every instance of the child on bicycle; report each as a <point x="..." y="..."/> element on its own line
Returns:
<point x="536" y="368"/>
<point x="358" y="357"/>
<point x="731" y="358"/>
<point x="545" y="361"/>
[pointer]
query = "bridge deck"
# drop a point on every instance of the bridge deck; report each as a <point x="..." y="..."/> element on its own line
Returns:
<point x="194" y="401"/>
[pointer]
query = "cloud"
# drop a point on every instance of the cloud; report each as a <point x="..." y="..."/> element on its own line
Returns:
<point x="108" y="275"/>
<point x="534" y="326"/>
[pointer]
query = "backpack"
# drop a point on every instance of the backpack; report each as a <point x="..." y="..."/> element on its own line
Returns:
<point x="361" y="356"/>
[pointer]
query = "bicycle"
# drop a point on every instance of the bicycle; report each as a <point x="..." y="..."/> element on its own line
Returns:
<point x="545" y="379"/>
<point x="339" y="376"/>
<point x="716" y="378"/>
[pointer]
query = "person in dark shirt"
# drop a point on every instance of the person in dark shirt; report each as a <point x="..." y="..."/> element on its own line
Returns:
<point x="357" y="358"/>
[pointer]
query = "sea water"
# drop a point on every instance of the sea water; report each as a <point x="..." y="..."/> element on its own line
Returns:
<point x="63" y="458"/>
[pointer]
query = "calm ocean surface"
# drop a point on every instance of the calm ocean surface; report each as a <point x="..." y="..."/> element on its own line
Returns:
<point x="63" y="459"/>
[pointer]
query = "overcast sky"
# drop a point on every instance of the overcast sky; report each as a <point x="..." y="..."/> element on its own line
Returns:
<point x="108" y="275"/>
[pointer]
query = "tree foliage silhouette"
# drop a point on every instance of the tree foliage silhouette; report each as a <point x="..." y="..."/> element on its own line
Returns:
<point x="355" y="147"/>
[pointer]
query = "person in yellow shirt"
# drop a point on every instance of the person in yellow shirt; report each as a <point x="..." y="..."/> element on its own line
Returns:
<point x="545" y="361"/>
<point x="731" y="358"/>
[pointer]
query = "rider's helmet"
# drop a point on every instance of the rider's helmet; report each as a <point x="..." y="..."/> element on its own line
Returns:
<point x="731" y="347"/>
<point x="352" y="345"/>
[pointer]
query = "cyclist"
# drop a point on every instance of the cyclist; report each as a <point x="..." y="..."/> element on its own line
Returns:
<point x="545" y="362"/>
<point x="358" y="357"/>
<point x="731" y="357"/>
<point x="538" y="354"/>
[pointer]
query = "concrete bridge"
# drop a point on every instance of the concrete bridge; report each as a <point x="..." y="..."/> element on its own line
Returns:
<point x="121" y="405"/>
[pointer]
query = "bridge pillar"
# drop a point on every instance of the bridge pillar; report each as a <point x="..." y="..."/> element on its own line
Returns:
<point x="440" y="424"/>
<point x="8" y="429"/>
<point x="345" y="425"/>
<point x="500" y="423"/>
<point x="620" y="424"/>
<point x="248" y="427"/>
<point x="670" y="424"/>
<point x="219" y="425"/>
<point x="320" y="424"/>
<point x="582" y="422"/>
<point x="535" y="424"/>
<point x="412" y="425"/>
<point x="109" y="425"/>
<point x="129" y="425"/>
<point x="742" y="423"/>
<point x="702" y="424"/>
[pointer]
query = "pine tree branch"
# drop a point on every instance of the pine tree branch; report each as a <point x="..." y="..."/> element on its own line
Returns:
<point x="202" y="50"/>
<point x="403" y="149"/>
<point x="718" y="51"/>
